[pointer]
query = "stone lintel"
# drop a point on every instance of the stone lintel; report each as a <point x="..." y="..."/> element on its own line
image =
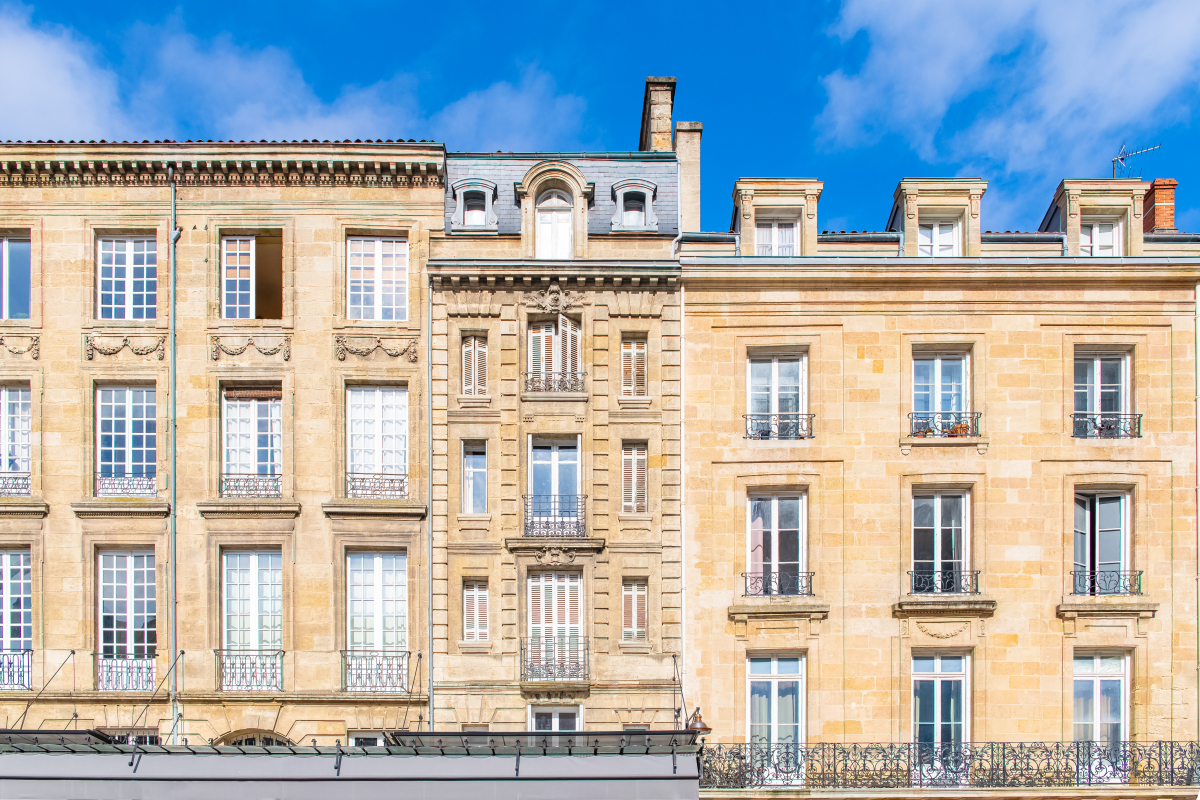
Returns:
<point x="1106" y="607"/>
<point x="121" y="507"/>
<point x="771" y="608"/>
<point x="260" y="507"/>
<point x="396" y="509"/>
<point x="944" y="606"/>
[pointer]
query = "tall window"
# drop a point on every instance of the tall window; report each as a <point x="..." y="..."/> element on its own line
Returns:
<point x="16" y="426"/>
<point x="127" y="278"/>
<point x="253" y="431"/>
<point x="15" y="278"/>
<point x="553" y="235"/>
<point x="378" y="418"/>
<point x="554" y="355"/>
<point x="555" y="720"/>
<point x="474" y="366"/>
<point x="378" y="278"/>
<point x="1099" y="239"/>
<point x="16" y="619"/>
<point x="475" y="611"/>
<point x="940" y="544"/>
<point x="775" y="238"/>
<point x="237" y="261"/>
<point x="253" y="609"/>
<point x="941" y="400"/>
<point x="633" y="610"/>
<point x="474" y="209"/>
<point x="778" y="398"/>
<point x="554" y="611"/>
<point x="377" y="606"/>
<point x="1102" y="396"/>
<point x="128" y="621"/>
<point x="126" y="440"/>
<point x="633" y="368"/>
<point x="633" y="212"/>
<point x="633" y="478"/>
<point x="939" y="698"/>
<point x="775" y="687"/>
<point x="1102" y="546"/>
<point x="777" y="547"/>
<point x="252" y="276"/>
<point x="555" y="469"/>
<point x="937" y="239"/>
<point x="1101" y="707"/>
<point x="474" y="478"/>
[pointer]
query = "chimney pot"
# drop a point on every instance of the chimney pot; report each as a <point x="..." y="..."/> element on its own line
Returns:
<point x="1158" y="206"/>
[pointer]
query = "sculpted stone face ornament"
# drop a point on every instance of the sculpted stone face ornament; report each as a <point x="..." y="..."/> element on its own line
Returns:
<point x="553" y="300"/>
<point x="554" y="556"/>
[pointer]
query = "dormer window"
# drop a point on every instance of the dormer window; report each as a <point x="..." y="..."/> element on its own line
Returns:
<point x="476" y="210"/>
<point x="1099" y="238"/>
<point x="775" y="237"/>
<point x="554" y="225"/>
<point x="473" y="206"/>
<point x="634" y="213"/>
<point x="937" y="239"/>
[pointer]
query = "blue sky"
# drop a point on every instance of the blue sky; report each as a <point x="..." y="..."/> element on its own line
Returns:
<point x="858" y="93"/>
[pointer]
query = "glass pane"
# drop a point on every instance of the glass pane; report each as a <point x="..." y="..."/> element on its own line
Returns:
<point x="1084" y="385"/>
<point x="760" y="712"/>
<point x="925" y="240"/>
<point x="923" y="709"/>
<point x="952" y="701"/>
<point x="566" y="721"/>
<point x="952" y="664"/>
<point x="787" y="666"/>
<point x="923" y="663"/>
<point x="922" y="385"/>
<point x="788" y="730"/>
<point x="760" y="666"/>
<point x="952" y="385"/>
<point x="760" y="526"/>
<point x="17" y="290"/>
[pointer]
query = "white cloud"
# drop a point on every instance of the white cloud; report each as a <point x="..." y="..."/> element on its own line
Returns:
<point x="526" y="117"/>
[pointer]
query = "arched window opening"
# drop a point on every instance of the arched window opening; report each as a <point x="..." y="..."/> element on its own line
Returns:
<point x="554" y="226"/>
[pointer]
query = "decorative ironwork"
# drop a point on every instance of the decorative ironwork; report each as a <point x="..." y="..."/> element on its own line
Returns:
<point x="284" y="346"/>
<point x="554" y="381"/>
<point x="1106" y="426"/>
<point x="986" y="765"/>
<point x="93" y="346"/>
<point x="554" y="515"/>
<point x="126" y="485"/>
<point x="765" y="584"/>
<point x="125" y="673"/>
<point x="944" y="424"/>
<point x="14" y="484"/>
<point x="147" y="736"/>
<point x="16" y="669"/>
<point x="251" y="670"/>
<point x="554" y="658"/>
<point x="376" y="486"/>
<point x="1106" y="581"/>
<point x="243" y="485"/>
<point x="343" y="348"/>
<point x="779" y="426"/>
<point x="375" y="670"/>
<point x="944" y="581"/>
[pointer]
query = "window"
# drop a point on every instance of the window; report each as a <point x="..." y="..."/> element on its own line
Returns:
<point x="15" y="278"/>
<point x="126" y="441"/>
<point x="775" y="690"/>
<point x="15" y="420"/>
<point x="253" y="431"/>
<point x="556" y="720"/>
<point x="633" y="478"/>
<point x="941" y="399"/>
<point x="634" y="202"/>
<point x="634" y="210"/>
<point x="377" y="606"/>
<point x="475" y="214"/>
<point x="378" y="428"/>
<point x="378" y="278"/>
<point x="554" y="226"/>
<point x="776" y="539"/>
<point x="16" y="619"/>
<point x="554" y="356"/>
<point x="128" y="621"/>
<point x="1102" y="397"/>
<point x="633" y="368"/>
<point x="939" y="697"/>
<point x="369" y="739"/>
<point x="1101" y="701"/>
<point x="475" y="611"/>
<point x="556" y="649"/>
<point x="775" y="237"/>
<point x="252" y="276"/>
<point x="1102" y="545"/>
<point x="937" y="239"/>
<point x="778" y="398"/>
<point x="474" y="366"/>
<point x="474" y="478"/>
<point x="554" y="506"/>
<point x="1099" y="239"/>
<point x="474" y="728"/>
<point x="940" y="544"/>
<point x="127" y="278"/>
<point x="252" y="617"/>
<point x="633" y="610"/>
<point x="473" y="205"/>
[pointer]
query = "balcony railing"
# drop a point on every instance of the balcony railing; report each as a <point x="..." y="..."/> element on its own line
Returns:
<point x="376" y="486"/>
<point x="383" y="671"/>
<point x="126" y="485"/>
<point x="944" y="424"/>
<point x="1106" y="426"/>
<point x="16" y="669"/>
<point x="763" y="584"/>
<point x="555" y="515"/>
<point x="14" y="484"/>
<point x="250" y="670"/>
<point x="1106" y="582"/>
<point x="944" y="581"/>
<point x="125" y="673"/>
<point x="984" y="766"/>
<point x="554" y="381"/>
<point x="554" y="658"/>
<point x="779" y="426"/>
<point x="245" y="485"/>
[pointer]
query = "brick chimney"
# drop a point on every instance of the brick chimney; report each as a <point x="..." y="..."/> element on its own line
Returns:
<point x="1158" y="207"/>
<point x="656" y="114"/>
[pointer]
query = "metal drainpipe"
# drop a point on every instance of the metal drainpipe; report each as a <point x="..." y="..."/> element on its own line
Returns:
<point x="683" y="496"/>
<point x="1196" y="370"/>
<point x="175" y="231"/>
<point x="429" y="479"/>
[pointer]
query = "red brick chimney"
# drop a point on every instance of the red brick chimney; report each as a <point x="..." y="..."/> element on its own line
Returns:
<point x="1158" y="207"/>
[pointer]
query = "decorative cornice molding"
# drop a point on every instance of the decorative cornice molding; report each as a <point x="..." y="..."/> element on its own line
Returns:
<point x="99" y="509"/>
<point x="393" y="509"/>
<point x="219" y="347"/>
<point x="257" y="508"/>
<point x="23" y="507"/>
<point x="550" y="548"/>
<point x="344" y="347"/>
<point x="34" y="348"/>
<point x="92" y="346"/>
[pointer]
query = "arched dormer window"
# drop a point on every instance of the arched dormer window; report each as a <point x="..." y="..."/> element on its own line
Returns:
<point x="634" y="199"/>
<point x="553" y="232"/>
<point x="473" y="210"/>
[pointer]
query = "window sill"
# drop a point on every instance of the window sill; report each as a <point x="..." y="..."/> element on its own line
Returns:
<point x="256" y="507"/>
<point x="634" y="647"/>
<point x="23" y="507"/>
<point x="980" y="443"/>
<point x="121" y="507"/>
<point x="473" y="518"/>
<point x="249" y="324"/>
<point x="479" y="230"/>
<point x="636" y="403"/>
<point x="475" y="647"/>
<point x="474" y="401"/>
<point x="127" y="324"/>
<point x="1108" y="606"/>
<point x="639" y="229"/>
<point x="401" y="327"/>
<point x="775" y="607"/>
<point x="944" y="605"/>
<point x="628" y="517"/>
<point x="554" y="397"/>
<point x="354" y="508"/>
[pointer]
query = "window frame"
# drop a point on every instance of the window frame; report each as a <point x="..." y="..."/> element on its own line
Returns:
<point x="801" y="499"/>
<point x="1095" y="386"/>
<point x="377" y="434"/>
<point x="253" y="599"/>
<point x="554" y="249"/>
<point x="378" y="566"/>
<point x="1092" y="223"/>
<point x="634" y="375"/>
<point x="635" y="619"/>
<point x="16" y="604"/>
<point x="1095" y="676"/>
<point x="635" y="494"/>
<point x="130" y="648"/>
<point x="937" y="387"/>
<point x="399" y="309"/>
<point x="1092" y="567"/>
<point x="963" y="676"/>
<point x="471" y="473"/>
<point x="565" y="343"/>
<point x="127" y="464"/>
<point x="965" y="497"/>
<point x="936" y="226"/>
<point x="474" y="352"/>
<point x="649" y="192"/>
<point x="6" y="276"/>
<point x="774" y="678"/>
<point x="127" y="308"/>
<point x="253" y="269"/>
<point x="458" y="218"/>
<point x="773" y="223"/>
<point x="15" y="437"/>
<point x="476" y="613"/>
<point x="774" y="385"/>
<point x="556" y="718"/>
<point x="556" y="445"/>
<point x="275" y="432"/>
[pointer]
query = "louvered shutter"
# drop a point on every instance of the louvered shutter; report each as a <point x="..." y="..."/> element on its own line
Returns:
<point x="475" y="611"/>
<point x="481" y="385"/>
<point x="569" y="333"/>
<point x="633" y="610"/>
<point x="541" y="348"/>
<point x="468" y="365"/>
<point x="639" y="368"/>
<point x="627" y="367"/>
<point x="572" y="623"/>
<point x="633" y="478"/>
<point x="633" y="368"/>
<point x="474" y="365"/>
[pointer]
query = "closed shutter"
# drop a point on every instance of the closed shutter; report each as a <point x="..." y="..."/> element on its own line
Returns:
<point x="633" y="615"/>
<point x="569" y="332"/>
<point x="474" y="365"/>
<point x="633" y="368"/>
<point x="475" y="611"/>
<point x="541" y="348"/>
<point x="633" y="478"/>
<point x="481" y="387"/>
<point x="554" y="605"/>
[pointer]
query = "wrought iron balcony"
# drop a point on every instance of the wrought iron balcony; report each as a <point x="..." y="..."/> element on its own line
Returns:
<point x="108" y="485"/>
<point x="554" y="658"/>
<point x="1106" y="581"/>
<point x="984" y="765"/>
<point x="382" y="671"/>
<point x="14" y="484"/>
<point x="764" y="584"/>
<point x="250" y="670"/>
<point x="376" y="486"/>
<point x="246" y="485"/>
<point x="554" y="381"/>
<point x="16" y="669"/>
<point x="554" y="515"/>
<point x="943" y="581"/>
<point x="1106" y="426"/>
<point x="779" y="426"/>
<point x="944" y="424"/>
<point x="125" y="673"/>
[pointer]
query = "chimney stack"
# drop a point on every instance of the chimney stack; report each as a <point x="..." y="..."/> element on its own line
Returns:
<point x="656" y="115"/>
<point x="687" y="149"/>
<point x="1158" y="206"/>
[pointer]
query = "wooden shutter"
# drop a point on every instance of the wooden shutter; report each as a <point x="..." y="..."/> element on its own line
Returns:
<point x="627" y="367"/>
<point x="541" y="348"/>
<point x="475" y="611"/>
<point x="474" y="365"/>
<point x="633" y="610"/>
<point x="633" y="478"/>
<point x="570" y="591"/>
<point x="633" y="367"/>
<point x="481" y="386"/>
<point x="569" y="337"/>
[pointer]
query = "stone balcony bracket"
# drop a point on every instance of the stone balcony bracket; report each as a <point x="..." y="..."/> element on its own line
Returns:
<point x="907" y="443"/>
<point x="554" y="550"/>
<point x="551" y="691"/>
<point x="554" y="397"/>
<point x="944" y="605"/>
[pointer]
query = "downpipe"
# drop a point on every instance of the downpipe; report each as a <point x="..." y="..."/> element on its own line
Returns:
<point x="175" y="232"/>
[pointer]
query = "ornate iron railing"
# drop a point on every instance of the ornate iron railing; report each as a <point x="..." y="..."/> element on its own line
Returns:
<point x="554" y="381"/>
<point x="125" y="673"/>
<point x="384" y="671"/>
<point x="944" y="424"/>
<point x="244" y="485"/>
<point x="944" y="581"/>
<point x="16" y="669"/>
<point x="250" y="670"/>
<point x="126" y="485"/>
<point x="134" y="735"/>
<point x="986" y="765"/>
<point x="764" y="584"/>
<point x="554" y="658"/>
<point x="779" y="426"/>
<point x="1106" y="582"/>
<point x="1106" y="426"/>
<point x="376" y="486"/>
<point x="14" y="484"/>
<point x="551" y="515"/>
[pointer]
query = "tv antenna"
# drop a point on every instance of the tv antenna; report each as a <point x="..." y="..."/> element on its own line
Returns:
<point x="1120" y="162"/>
